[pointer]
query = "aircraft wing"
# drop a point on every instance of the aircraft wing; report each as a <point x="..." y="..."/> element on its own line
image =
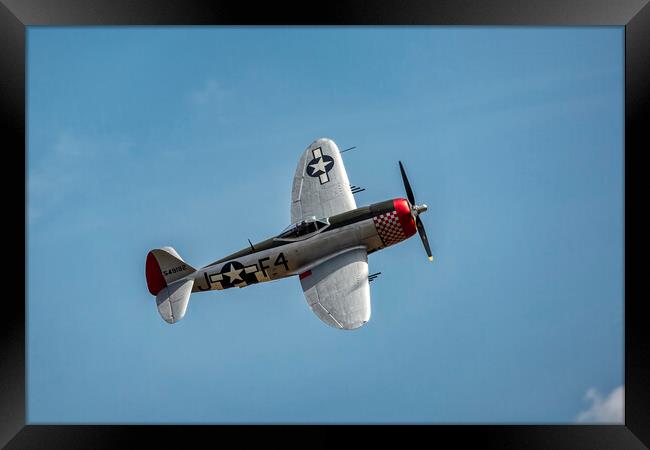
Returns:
<point x="338" y="290"/>
<point x="320" y="186"/>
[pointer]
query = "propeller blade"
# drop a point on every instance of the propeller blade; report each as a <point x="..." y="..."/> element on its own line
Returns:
<point x="423" y="236"/>
<point x="407" y="185"/>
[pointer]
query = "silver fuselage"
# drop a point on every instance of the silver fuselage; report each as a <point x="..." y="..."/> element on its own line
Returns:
<point x="277" y="258"/>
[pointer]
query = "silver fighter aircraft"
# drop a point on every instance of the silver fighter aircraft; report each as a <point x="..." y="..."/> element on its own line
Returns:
<point x="326" y="246"/>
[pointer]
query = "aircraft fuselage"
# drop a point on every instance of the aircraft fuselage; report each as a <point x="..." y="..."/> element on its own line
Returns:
<point x="375" y="227"/>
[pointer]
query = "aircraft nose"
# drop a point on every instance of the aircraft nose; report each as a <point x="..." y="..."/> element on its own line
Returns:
<point x="421" y="208"/>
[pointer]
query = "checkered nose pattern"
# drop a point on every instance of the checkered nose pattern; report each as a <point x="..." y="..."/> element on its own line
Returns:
<point x="389" y="228"/>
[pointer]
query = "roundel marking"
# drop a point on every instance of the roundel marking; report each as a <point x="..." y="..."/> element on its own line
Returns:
<point x="320" y="165"/>
<point x="233" y="271"/>
<point x="234" y="274"/>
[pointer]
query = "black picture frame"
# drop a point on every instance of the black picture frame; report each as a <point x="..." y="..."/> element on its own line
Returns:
<point x="16" y="15"/>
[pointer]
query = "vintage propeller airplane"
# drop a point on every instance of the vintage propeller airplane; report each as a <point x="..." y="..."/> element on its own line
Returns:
<point x="326" y="246"/>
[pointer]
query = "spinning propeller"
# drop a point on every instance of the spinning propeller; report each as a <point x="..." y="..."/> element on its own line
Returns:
<point x="415" y="212"/>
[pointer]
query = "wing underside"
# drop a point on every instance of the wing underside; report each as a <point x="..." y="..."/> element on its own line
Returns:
<point x="320" y="185"/>
<point x="338" y="291"/>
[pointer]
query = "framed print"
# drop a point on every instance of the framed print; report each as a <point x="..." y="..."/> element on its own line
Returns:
<point x="273" y="142"/>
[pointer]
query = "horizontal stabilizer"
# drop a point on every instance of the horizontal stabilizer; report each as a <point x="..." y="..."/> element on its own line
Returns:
<point x="172" y="300"/>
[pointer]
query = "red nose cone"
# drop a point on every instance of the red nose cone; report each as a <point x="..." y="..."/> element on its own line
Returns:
<point x="405" y="218"/>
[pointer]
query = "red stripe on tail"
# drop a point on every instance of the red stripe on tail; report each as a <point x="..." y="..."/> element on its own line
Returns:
<point x="155" y="280"/>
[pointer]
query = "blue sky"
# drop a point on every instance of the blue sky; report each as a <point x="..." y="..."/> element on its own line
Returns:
<point x="189" y="137"/>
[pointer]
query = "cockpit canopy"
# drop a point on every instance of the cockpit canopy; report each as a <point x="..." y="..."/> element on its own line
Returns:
<point x="304" y="228"/>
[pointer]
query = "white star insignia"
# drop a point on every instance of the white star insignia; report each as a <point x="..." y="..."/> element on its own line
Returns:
<point x="320" y="165"/>
<point x="233" y="274"/>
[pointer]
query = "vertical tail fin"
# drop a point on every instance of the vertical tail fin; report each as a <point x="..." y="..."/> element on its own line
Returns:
<point x="166" y="274"/>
